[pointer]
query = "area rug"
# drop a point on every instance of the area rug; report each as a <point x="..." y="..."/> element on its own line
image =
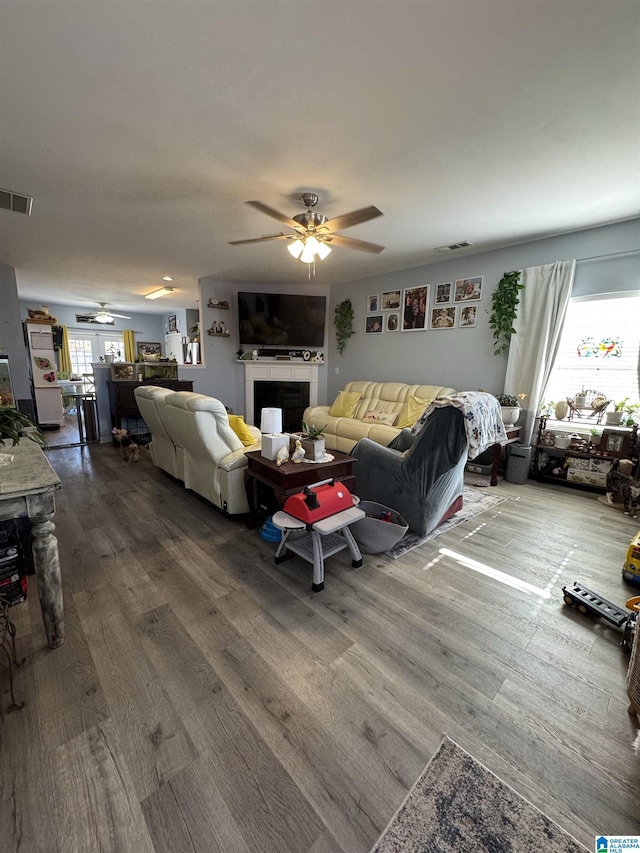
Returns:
<point x="458" y="806"/>
<point x="474" y="502"/>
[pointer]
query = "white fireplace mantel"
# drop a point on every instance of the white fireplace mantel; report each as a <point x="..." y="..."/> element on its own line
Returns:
<point x="278" y="371"/>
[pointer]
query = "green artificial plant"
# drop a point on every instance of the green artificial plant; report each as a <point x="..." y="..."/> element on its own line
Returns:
<point x="343" y="322"/>
<point x="311" y="431"/>
<point x="504" y="304"/>
<point x="12" y="424"/>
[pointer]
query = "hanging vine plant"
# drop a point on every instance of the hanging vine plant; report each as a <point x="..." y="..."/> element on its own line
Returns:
<point x="504" y="304"/>
<point x="343" y="321"/>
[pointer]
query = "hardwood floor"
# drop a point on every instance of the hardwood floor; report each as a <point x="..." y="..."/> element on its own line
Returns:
<point x="206" y="700"/>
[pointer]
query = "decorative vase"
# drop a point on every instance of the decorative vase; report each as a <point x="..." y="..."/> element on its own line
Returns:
<point x="510" y="415"/>
<point x="314" y="448"/>
<point x="561" y="410"/>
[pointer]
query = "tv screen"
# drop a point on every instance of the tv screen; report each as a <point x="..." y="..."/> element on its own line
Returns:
<point x="278" y="320"/>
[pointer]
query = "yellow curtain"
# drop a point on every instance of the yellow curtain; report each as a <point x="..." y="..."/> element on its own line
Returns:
<point x="65" y="354"/>
<point x="129" y="337"/>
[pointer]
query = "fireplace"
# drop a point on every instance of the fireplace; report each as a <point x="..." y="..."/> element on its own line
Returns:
<point x="280" y="375"/>
<point x="291" y="397"/>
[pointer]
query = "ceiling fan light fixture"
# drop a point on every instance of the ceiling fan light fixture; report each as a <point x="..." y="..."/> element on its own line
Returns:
<point x="323" y="250"/>
<point x="295" y="248"/>
<point x="156" y="294"/>
<point x="103" y="317"/>
<point x="309" y="253"/>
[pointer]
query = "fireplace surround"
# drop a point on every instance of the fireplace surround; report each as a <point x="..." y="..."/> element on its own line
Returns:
<point x="295" y="383"/>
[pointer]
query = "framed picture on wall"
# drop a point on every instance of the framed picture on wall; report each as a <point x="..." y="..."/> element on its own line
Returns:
<point x="393" y="323"/>
<point x="149" y="351"/>
<point x="373" y="303"/>
<point x="414" y="311"/>
<point x="390" y="300"/>
<point x="173" y="323"/>
<point x="443" y="293"/>
<point x="468" y="289"/>
<point x="374" y="324"/>
<point x="468" y="316"/>
<point x="443" y="318"/>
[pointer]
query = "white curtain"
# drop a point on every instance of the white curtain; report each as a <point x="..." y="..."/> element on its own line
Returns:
<point x="538" y="324"/>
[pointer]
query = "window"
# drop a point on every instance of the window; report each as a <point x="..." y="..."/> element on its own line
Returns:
<point x="89" y="347"/>
<point x="599" y="349"/>
<point x="81" y="356"/>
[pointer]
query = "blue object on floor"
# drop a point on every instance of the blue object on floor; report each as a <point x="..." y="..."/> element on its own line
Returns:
<point x="269" y="532"/>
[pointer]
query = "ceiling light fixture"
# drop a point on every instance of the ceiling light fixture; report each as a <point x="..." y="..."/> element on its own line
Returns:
<point x="307" y="248"/>
<point x="167" y="278"/>
<point x="156" y="294"/>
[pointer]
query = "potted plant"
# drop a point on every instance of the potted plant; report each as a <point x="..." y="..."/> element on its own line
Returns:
<point x="313" y="441"/>
<point x="631" y="412"/>
<point x="616" y="417"/>
<point x="15" y="424"/>
<point x="510" y="405"/>
<point x="343" y="321"/>
<point x="504" y="305"/>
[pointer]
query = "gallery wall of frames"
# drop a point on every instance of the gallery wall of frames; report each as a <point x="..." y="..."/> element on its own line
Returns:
<point x="438" y="307"/>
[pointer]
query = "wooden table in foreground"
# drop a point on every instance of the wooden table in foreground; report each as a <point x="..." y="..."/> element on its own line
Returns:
<point x="287" y="479"/>
<point x="27" y="487"/>
<point x="513" y="435"/>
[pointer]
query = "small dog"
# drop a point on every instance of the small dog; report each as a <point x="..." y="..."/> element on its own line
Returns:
<point x="129" y="450"/>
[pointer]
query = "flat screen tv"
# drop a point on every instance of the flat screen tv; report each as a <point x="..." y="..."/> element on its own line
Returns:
<point x="281" y="320"/>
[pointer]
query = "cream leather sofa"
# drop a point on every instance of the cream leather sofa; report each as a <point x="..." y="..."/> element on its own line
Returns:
<point x="165" y="451"/>
<point x="212" y="456"/>
<point x="343" y="433"/>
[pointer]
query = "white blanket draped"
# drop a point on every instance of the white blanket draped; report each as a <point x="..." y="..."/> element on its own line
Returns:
<point x="482" y="419"/>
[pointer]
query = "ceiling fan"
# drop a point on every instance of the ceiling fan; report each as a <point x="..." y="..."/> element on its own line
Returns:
<point x="104" y="316"/>
<point x="314" y="234"/>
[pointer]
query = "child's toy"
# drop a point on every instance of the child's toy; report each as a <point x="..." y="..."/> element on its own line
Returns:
<point x="631" y="567"/>
<point x="322" y="513"/>
<point x="587" y="601"/>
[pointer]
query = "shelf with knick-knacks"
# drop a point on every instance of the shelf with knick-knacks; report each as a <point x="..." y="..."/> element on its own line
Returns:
<point x="218" y="303"/>
<point x="219" y="328"/>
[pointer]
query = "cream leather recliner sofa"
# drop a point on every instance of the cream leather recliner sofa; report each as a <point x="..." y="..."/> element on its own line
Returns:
<point x="213" y="457"/>
<point x="342" y="433"/>
<point x="165" y="452"/>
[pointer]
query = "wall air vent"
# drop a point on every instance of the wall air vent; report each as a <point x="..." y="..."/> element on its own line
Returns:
<point x="463" y="244"/>
<point x="16" y="202"/>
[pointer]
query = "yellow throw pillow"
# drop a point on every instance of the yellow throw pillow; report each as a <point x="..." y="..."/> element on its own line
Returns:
<point x="237" y="424"/>
<point x="411" y="411"/>
<point x="345" y="404"/>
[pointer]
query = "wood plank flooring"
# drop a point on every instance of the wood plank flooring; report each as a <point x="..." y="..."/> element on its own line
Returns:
<point x="206" y="700"/>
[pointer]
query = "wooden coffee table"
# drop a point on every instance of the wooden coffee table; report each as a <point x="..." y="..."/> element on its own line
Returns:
<point x="285" y="480"/>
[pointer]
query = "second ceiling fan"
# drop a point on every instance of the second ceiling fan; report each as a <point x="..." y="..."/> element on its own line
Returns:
<point x="105" y="316"/>
<point x="314" y="234"/>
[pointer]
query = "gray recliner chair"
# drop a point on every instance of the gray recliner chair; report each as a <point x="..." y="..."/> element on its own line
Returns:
<point x="421" y="477"/>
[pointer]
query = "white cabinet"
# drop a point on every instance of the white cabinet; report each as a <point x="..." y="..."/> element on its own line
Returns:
<point x="47" y="392"/>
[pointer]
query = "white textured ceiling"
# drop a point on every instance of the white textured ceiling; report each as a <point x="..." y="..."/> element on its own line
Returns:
<point x="140" y="128"/>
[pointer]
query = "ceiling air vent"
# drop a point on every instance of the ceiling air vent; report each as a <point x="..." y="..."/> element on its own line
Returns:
<point x="463" y="244"/>
<point x="16" y="202"/>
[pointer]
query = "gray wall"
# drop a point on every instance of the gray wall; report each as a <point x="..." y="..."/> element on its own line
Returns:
<point x="223" y="377"/>
<point x="12" y="336"/>
<point x="148" y="327"/>
<point x="463" y="358"/>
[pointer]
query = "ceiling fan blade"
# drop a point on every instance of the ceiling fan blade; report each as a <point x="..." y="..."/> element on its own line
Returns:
<point x="274" y="214"/>
<point x="349" y="219"/>
<point x="121" y="316"/>
<point x="350" y="243"/>
<point x="261" y="239"/>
